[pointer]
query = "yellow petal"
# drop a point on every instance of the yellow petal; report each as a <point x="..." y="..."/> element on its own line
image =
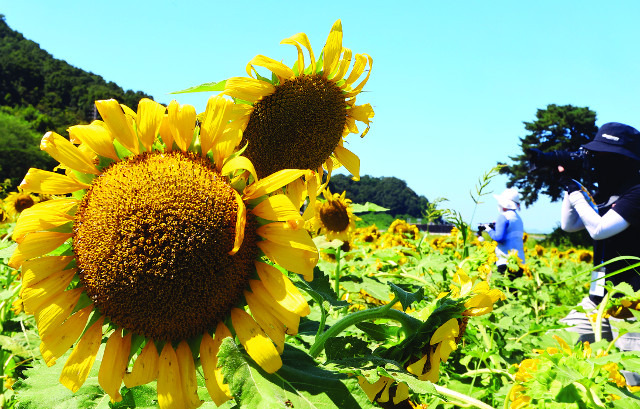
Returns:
<point x="449" y="329"/>
<point x="145" y="367"/>
<point x="247" y="89"/>
<point x="96" y="137"/>
<point x="255" y="341"/>
<point x="445" y="348"/>
<point x="362" y="113"/>
<point x="42" y="181"/>
<point x="417" y="367"/>
<point x="79" y="363"/>
<point x="61" y="338"/>
<point x="344" y="65"/>
<point x="239" y="163"/>
<point x="188" y="375"/>
<point x="373" y="389"/>
<point x="478" y="305"/>
<point x="282" y="71"/>
<point x="295" y="258"/>
<point x="170" y="394"/>
<point x="148" y="120"/>
<point x="216" y="117"/>
<point x="43" y="216"/>
<point x="282" y="233"/>
<point x="464" y="281"/>
<point x="37" y="244"/>
<point x="225" y="145"/>
<point x="241" y="221"/>
<point x="277" y="208"/>
<point x="114" y="364"/>
<point x="39" y="294"/>
<point x="332" y="49"/>
<point x="213" y="378"/>
<point x="282" y="289"/>
<point x="296" y="40"/>
<point x="166" y="133"/>
<point x="273" y="327"/>
<point x="288" y="318"/>
<point x="38" y="269"/>
<point x="349" y="160"/>
<point x="67" y="153"/>
<point x="273" y="182"/>
<point x="402" y="393"/>
<point x="59" y="310"/>
<point x="357" y="89"/>
<point x="182" y="120"/>
<point x="120" y="127"/>
<point x="297" y="193"/>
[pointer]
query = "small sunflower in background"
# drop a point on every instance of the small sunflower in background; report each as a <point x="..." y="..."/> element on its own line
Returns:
<point x="334" y="217"/>
<point x="17" y="202"/>
<point x="165" y="240"/>
<point x="299" y="118"/>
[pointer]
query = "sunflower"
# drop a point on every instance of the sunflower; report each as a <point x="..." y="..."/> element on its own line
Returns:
<point x="334" y="217"/>
<point x="16" y="202"/>
<point x="165" y="240"/>
<point x="298" y="120"/>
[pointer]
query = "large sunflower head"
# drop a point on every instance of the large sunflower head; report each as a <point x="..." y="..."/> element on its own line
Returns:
<point x="299" y="118"/>
<point x="334" y="217"/>
<point x="161" y="239"/>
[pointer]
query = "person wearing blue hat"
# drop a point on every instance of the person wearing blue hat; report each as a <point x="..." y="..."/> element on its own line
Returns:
<point x="612" y="220"/>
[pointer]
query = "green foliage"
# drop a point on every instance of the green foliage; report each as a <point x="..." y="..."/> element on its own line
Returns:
<point x="389" y="192"/>
<point x="20" y="149"/>
<point x="562" y="239"/>
<point x="556" y="128"/>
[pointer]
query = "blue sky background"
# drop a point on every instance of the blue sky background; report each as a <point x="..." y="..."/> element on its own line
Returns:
<point x="452" y="82"/>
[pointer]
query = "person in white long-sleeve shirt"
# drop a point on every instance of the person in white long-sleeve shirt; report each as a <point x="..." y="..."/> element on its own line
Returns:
<point x="613" y="223"/>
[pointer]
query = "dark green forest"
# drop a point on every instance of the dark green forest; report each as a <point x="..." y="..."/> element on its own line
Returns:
<point x="40" y="93"/>
<point x="389" y="192"/>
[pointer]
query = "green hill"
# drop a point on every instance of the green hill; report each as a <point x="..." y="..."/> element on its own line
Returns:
<point x="40" y="93"/>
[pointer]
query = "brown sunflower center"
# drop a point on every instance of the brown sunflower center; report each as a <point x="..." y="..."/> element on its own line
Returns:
<point x="23" y="202"/>
<point x="152" y="237"/>
<point x="334" y="215"/>
<point x="296" y="127"/>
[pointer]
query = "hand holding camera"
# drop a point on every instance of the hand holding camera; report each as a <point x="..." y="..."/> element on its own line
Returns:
<point x="485" y="226"/>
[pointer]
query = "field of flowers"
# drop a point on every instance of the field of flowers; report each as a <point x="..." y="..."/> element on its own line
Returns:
<point x="177" y="259"/>
<point x="399" y="319"/>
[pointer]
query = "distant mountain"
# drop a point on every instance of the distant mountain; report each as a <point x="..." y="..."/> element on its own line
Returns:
<point x="40" y="93"/>
<point x="389" y="192"/>
<point x="30" y="76"/>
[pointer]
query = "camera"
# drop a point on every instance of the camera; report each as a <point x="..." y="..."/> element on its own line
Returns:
<point x="484" y="226"/>
<point x="574" y="163"/>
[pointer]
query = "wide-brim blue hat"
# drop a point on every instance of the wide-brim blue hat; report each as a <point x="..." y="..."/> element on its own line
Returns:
<point x="614" y="137"/>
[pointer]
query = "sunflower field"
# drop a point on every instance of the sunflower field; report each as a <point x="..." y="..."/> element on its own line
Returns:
<point x="183" y="259"/>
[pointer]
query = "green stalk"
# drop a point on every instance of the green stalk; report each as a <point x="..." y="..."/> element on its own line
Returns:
<point x="336" y="275"/>
<point x="467" y="400"/>
<point x="598" y="324"/>
<point x="385" y="311"/>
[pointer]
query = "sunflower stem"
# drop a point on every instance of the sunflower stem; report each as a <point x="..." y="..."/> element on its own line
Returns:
<point x="406" y="321"/>
<point x="336" y="275"/>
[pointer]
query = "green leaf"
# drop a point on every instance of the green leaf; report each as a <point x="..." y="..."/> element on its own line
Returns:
<point x="206" y="87"/>
<point x="42" y="389"/>
<point x="321" y="288"/>
<point x="367" y="207"/>
<point x="300" y="383"/>
<point x="406" y="298"/>
<point x="140" y="397"/>
<point x="345" y="347"/>
<point x="377" y="332"/>
<point x="7" y="252"/>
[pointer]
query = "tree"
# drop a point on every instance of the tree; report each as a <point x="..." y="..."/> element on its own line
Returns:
<point x="556" y="128"/>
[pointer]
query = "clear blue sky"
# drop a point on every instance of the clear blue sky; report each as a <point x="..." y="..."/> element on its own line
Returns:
<point x="452" y="82"/>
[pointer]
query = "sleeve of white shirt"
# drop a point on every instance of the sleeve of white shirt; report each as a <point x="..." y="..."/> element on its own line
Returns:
<point x="599" y="227"/>
<point x="569" y="218"/>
